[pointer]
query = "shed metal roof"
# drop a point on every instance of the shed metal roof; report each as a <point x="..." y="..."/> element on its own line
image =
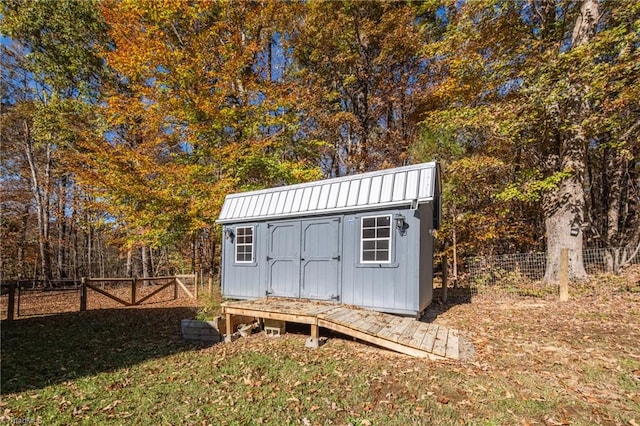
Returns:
<point x="385" y="188"/>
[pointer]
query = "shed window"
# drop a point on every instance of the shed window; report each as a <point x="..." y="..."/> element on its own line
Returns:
<point x="244" y="244"/>
<point x="375" y="241"/>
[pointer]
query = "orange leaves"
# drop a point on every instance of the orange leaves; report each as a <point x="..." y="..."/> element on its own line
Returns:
<point x="192" y="116"/>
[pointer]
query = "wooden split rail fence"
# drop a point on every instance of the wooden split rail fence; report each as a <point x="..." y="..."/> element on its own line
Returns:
<point x="177" y="282"/>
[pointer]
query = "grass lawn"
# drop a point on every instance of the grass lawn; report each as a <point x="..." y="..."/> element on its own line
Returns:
<point x="537" y="362"/>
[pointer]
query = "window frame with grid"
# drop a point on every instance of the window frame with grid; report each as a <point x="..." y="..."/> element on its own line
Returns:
<point x="241" y="242"/>
<point x="374" y="233"/>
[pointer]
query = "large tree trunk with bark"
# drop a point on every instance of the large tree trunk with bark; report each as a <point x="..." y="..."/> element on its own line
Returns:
<point x="565" y="206"/>
<point x="564" y="229"/>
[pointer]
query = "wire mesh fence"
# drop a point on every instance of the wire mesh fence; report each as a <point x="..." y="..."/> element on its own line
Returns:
<point x="525" y="269"/>
<point x="494" y="270"/>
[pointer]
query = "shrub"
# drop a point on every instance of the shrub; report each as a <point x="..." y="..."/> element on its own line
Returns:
<point x="211" y="305"/>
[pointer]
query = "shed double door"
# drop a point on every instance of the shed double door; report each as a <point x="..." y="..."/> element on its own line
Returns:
<point x="303" y="259"/>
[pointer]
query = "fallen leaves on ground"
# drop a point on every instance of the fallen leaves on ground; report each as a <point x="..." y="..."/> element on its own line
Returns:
<point x="538" y="362"/>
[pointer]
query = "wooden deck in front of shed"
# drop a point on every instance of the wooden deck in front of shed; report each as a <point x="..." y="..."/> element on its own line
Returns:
<point x="400" y="334"/>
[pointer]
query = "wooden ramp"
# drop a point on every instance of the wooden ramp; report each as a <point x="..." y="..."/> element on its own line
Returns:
<point x="400" y="334"/>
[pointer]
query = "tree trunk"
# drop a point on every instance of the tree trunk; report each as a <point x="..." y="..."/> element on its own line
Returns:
<point x="146" y="263"/>
<point x="632" y="241"/>
<point x="22" y="244"/>
<point x="76" y="252"/>
<point x="89" y="247"/>
<point x="565" y="206"/>
<point x="152" y="262"/>
<point x="40" y="186"/>
<point x="616" y="166"/>
<point x="455" y="257"/>
<point x="62" y="228"/>
<point x="564" y="209"/>
<point x="129" y="270"/>
<point x="564" y="230"/>
<point x="200" y="248"/>
<point x="193" y="253"/>
<point x="100" y="253"/>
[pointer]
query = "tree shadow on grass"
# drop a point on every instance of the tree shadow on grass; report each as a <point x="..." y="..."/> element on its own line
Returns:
<point x="455" y="296"/>
<point x="41" y="351"/>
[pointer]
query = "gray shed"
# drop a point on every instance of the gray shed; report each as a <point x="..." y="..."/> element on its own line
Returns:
<point x="363" y="240"/>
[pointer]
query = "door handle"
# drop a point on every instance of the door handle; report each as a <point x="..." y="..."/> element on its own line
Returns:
<point x="302" y="259"/>
<point x="336" y="258"/>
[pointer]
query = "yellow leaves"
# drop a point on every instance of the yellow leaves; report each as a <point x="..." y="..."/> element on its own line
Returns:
<point x="191" y="118"/>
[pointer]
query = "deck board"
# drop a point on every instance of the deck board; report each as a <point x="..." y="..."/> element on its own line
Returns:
<point x="365" y="321"/>
<point x="401" y="334"/>
<point x="338" y="316"/>
<point x="378" y="322"/>
<point x="389" y="328"/>
<point x="429" y="338"/>
<point x="418" y="336"/>
<point x="452" y="350"/>
<point x="408" y="333"/>
<point x="397" y="331"/>
<point x="440" y="344"/>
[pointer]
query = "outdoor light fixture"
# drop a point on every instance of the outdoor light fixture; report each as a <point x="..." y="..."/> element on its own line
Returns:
<point x="228" y="233"/>
<point x="400" y="223"/>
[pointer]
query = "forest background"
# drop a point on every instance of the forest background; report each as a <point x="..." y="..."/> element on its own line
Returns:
<point x="125" y="123"/>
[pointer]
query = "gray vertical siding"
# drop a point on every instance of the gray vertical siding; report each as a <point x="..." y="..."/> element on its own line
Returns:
<point x="243" y="281"/>
<point x="292" y="260"/>
<point x="389" y="287"/>
<point x="307" y="240"/>
<point x="426" y="256"/>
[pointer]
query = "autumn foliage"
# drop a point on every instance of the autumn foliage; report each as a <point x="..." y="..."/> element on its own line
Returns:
<point x="125" y="123"/>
